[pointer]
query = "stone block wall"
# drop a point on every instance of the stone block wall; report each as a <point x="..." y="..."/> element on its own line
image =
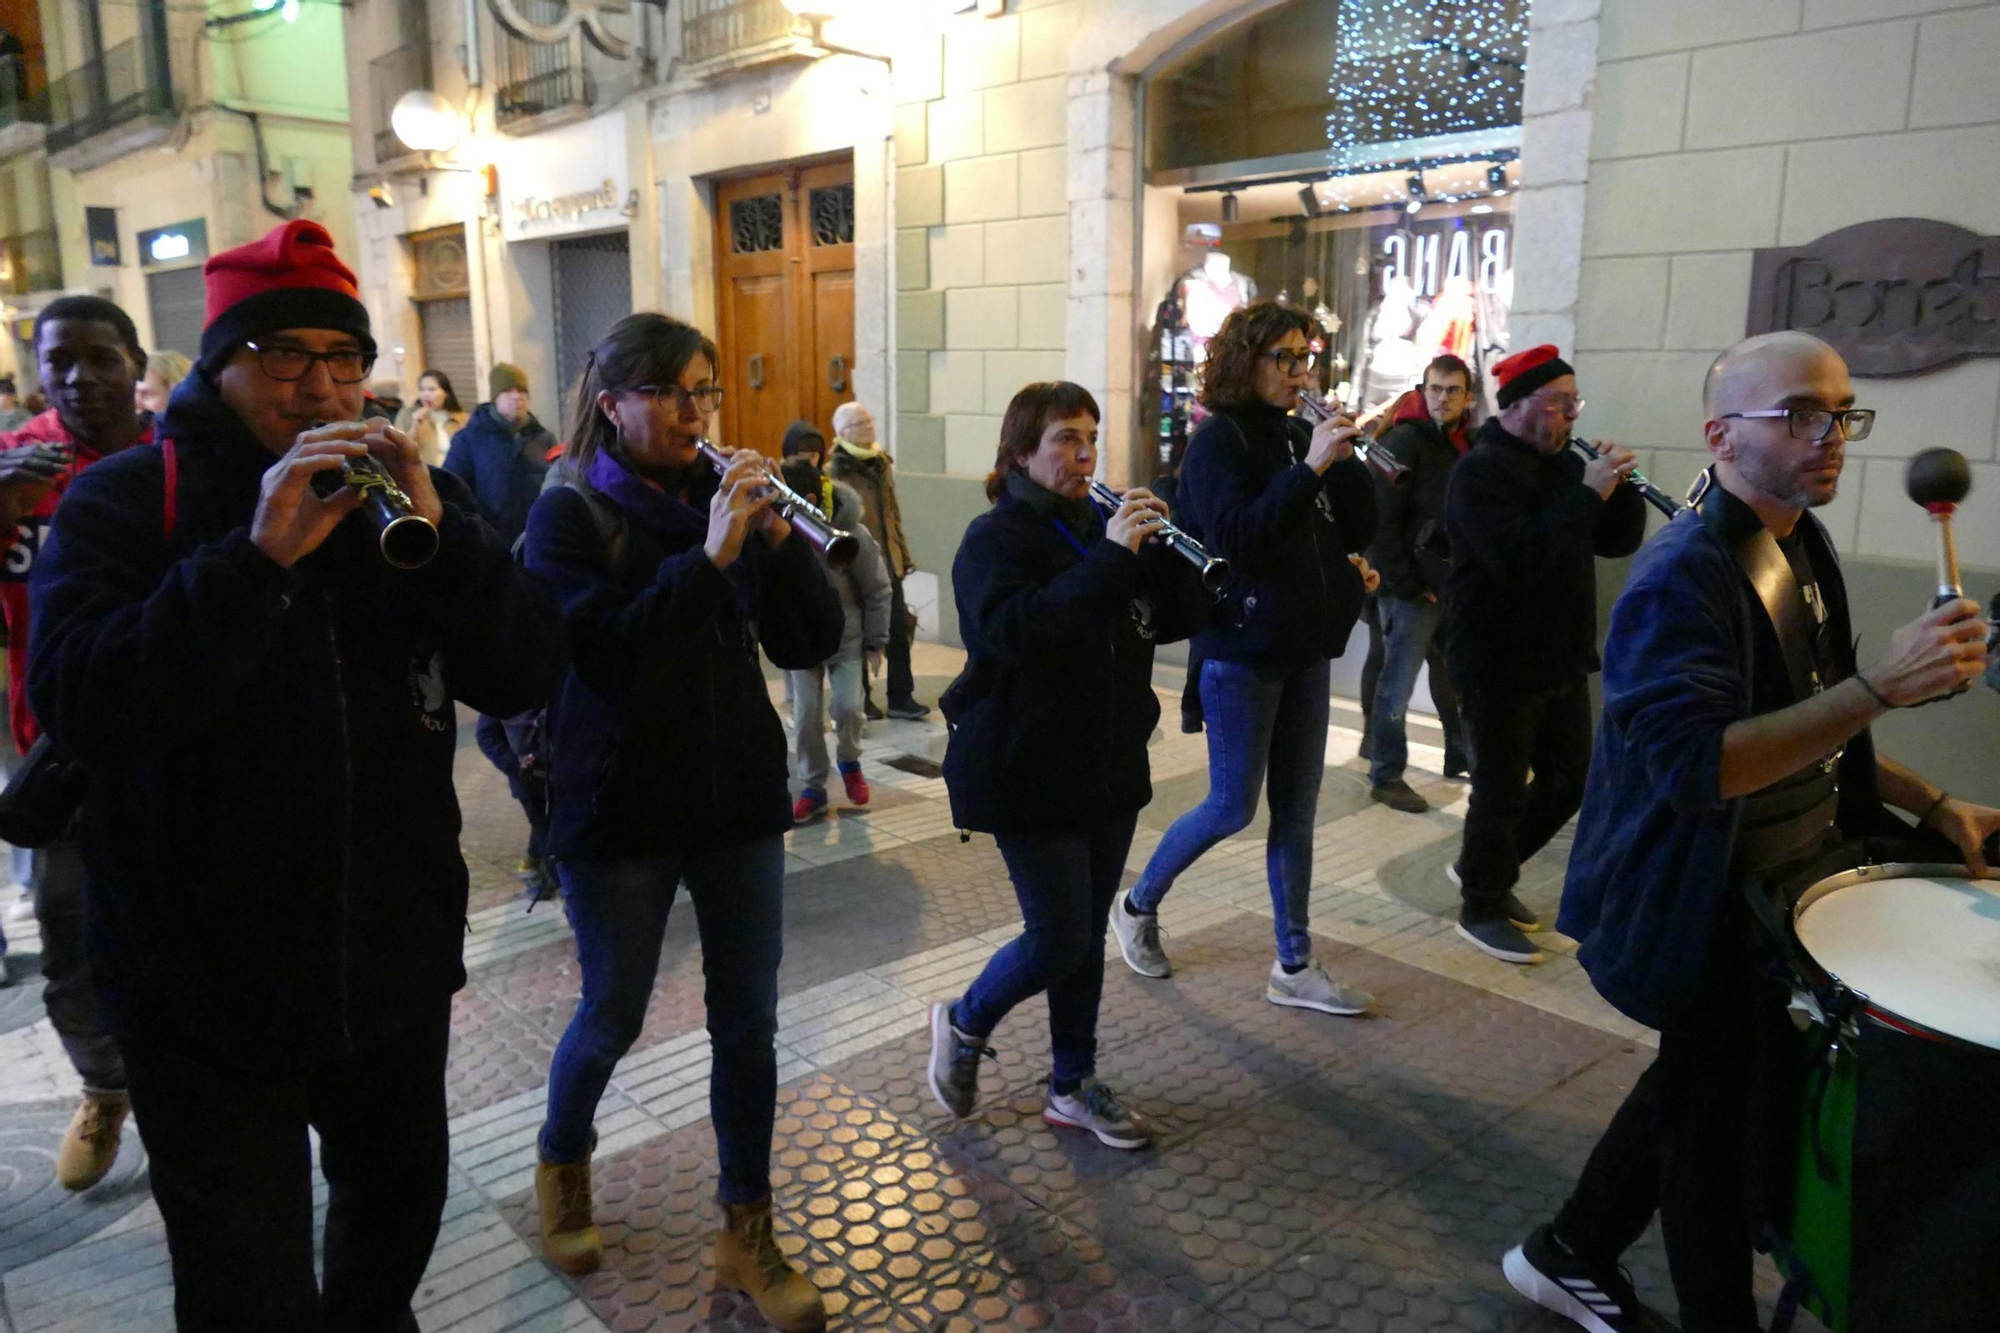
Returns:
<point x="1724" y="126"/>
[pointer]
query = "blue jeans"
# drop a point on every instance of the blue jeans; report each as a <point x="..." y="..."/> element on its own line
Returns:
<point x="1407" y="629"/>
<point x="1256" y="727"/>
<point x="618" y="910"/>
<point x="1065" y="882"/>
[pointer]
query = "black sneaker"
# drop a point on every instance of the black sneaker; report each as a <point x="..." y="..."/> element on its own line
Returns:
<point x="1457" y="766"/>
<point x="872" y="711"/>
<point x="1399" y="795"/>
<point x="1497" y="937"/>
<point x="1592" y="1296"/>
<point x="908" y="710"/>
<point x="1522" y="915"/>
<point x="954" y="1067"/>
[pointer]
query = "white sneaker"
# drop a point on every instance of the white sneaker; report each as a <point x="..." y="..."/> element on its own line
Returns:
<point x="1139" y="939"/>
<point x="1096" y="1108"/>
<point x="1314" y="989"/>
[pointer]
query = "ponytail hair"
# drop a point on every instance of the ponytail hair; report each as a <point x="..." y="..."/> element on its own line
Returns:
<point x="646" y="348"/>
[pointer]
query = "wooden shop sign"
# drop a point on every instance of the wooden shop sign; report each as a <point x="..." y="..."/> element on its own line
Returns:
<point x="1897" y="296"/>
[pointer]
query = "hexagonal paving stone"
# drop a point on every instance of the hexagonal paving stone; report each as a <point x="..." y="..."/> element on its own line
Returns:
<point x="1348" y="1279"/>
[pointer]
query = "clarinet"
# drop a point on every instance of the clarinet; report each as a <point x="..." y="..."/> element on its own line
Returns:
<point x="1656" y="497"/>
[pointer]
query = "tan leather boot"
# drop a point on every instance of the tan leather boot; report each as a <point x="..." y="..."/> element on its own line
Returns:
<point x="91" y="1145"/>
<point x="747" y="1259"/>
<point x="569" y="1237"/>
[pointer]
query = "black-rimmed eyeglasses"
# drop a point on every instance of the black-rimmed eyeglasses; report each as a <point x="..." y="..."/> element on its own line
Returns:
<point x="288" y="365"/>
<point x="1290" y="362"/>
<point x="1813" y="424"/>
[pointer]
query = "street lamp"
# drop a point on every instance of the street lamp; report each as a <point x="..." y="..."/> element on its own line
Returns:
<point x="425" y="122"/>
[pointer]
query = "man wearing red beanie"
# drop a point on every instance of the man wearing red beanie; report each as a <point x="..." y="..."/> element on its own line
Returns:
<point x="1527" y="520"/>
<point x="264" y="706"/>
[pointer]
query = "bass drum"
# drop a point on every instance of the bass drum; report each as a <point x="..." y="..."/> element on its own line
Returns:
<point x="1895" y="1212"/>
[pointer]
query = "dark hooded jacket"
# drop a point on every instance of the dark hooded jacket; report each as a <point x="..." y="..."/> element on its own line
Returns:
<point x="1411" y="550"/>
<point x="1526" y="534"/>
<point x="662" y="735"/>
<point x="1051" y="716"/>
<point x="504" y="464"/>
<point x="270" y="826"/>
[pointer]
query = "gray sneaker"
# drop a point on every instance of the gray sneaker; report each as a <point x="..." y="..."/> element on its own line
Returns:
<point x="954" y="1070"/>
<point x="1096" y="1108"/>
<point x="1139" y="939"/>
<point x="1314" y="989"/>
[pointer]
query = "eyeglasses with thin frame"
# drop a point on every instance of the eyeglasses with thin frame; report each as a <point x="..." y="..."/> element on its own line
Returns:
<point x="1563" y="403"/>
<point x="289" y="365"/>
<point x="1814" y="424"/>
<point x="706" y="398"/>
<point x="1446" y="391"/>
<point x="1290" y="362"/>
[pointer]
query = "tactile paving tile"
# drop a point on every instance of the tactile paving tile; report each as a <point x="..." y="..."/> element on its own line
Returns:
<point x="495" y="1052"/>
<point x="1348" y="1279"/>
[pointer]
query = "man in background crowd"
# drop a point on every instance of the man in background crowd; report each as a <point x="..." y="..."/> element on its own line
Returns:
<point x="863" y="464"/>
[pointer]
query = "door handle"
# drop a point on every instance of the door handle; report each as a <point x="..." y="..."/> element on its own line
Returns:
<point x="756" y="370"/>
<point x="836" y="374"/>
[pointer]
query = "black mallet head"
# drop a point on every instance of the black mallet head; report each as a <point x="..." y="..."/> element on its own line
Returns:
<point x="1938" y="477"/>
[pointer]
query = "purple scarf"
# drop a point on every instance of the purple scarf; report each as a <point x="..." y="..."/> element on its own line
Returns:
<point x="678" y="524"/>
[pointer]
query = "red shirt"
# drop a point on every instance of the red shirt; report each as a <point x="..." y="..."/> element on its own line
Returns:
<point x="20" y="547"/>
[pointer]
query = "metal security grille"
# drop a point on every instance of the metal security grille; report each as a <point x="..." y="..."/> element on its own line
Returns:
<point x="832" y="211"/>
<point x="756" y="225"/>
<point x="593" y="282"/>
<point x="176" y="301"/>
<point x="447" y="333"/>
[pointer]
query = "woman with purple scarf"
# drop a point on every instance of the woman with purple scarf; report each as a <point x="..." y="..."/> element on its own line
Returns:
<point x="668" y="766"/>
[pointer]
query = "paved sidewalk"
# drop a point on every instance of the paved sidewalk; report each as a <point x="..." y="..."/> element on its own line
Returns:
<point x="1313" y="1172"/>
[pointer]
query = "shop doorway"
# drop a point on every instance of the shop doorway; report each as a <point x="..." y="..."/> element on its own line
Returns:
<point x="592" y="277"/>
<point x="443" y="295"/>
<point x="784" y="247"/>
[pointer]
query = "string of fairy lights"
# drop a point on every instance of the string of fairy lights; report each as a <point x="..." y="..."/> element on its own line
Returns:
<point x="1421" y="69"/>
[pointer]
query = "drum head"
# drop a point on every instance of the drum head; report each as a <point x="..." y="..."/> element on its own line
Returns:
<point x="1918" y="941"/>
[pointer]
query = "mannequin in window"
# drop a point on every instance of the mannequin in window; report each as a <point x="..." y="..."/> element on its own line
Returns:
<point x="1212" y="288"/>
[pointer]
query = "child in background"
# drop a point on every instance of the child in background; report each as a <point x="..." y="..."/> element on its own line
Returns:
<point x="864" y="602"/>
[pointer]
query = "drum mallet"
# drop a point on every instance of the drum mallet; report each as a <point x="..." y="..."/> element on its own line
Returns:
<point x="1938" y="479"/>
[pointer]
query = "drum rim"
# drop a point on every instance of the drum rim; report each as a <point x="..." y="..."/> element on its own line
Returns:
<point x="1846" y="879"/>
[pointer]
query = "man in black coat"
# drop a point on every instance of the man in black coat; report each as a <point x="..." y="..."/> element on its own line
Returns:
<point x="1527" y="520"/>
<point x="1429" y="430"/>
<point x="263" y="707"/>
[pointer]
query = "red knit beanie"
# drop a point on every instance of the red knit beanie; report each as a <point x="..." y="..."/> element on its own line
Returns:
<point x="1524" y="372"/>
<point x="291" y="279"/>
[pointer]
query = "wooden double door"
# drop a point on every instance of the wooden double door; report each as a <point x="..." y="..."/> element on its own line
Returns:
<point x="784" y="244"/>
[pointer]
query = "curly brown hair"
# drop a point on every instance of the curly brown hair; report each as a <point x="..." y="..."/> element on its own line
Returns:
<point x="1033" y="408"/>
<point x="1229" y="377"/>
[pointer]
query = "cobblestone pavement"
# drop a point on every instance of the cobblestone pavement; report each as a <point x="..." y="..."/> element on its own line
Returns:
<point x="1312" y="1172"/>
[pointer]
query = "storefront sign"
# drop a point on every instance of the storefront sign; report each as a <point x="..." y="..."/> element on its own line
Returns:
<point x="1427" y="256"/>
<point x="1897" y="296"/>
<point x="101" y="226"/>
<point x="182" y="243"/>
<point x="585" y="14"/>
<point x="567" y="180"/>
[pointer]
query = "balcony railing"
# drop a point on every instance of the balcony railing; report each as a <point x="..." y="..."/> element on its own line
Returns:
<point x="127" y="81"/>
<point x="537" y="78"/>
<point x="24" y="94"/>
<point x="711" y="29"/>
<point x="389" y="77"/>
<point x="30" y="263"/>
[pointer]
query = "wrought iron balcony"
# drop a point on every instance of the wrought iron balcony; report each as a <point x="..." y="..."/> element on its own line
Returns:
<point x="714" y="29"/>
<point x="535" y="78"/>
<point x="389" y="77"/>
<point x="126" y="82"/>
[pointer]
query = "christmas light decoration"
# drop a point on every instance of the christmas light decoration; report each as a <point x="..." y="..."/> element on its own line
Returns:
<point x="1423" y="70"/>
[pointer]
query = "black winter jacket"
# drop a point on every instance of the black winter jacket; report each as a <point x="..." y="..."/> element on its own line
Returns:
<point x="504" y="464"/>
<point x="270" y="827"/>
<point x="662" y="736"/>
<point x="1526" y="534"/>
<point x="1052" y="714"/>
<point x="1247" y="494"/>
<point x="1411" y="550"/>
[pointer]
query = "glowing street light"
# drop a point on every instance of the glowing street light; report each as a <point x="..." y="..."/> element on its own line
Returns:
<point x="426" y="122"/>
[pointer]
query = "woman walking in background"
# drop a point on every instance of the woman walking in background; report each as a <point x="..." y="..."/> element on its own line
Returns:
<point x="434" y="417"/>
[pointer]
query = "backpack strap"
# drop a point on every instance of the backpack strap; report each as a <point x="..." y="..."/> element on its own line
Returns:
<point x="171" y="502"/>
<point x="609" y="522"/>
